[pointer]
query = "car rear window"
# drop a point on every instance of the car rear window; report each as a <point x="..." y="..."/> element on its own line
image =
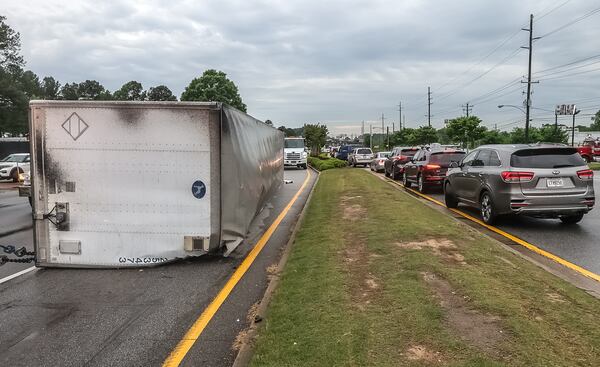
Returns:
<point x="409" y="152"/>
<point x="444" y="158"/>
<point x="546" y="158"/>
<point x="364" y="151"/>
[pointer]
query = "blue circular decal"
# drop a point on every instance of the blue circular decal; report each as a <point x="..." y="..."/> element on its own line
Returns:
<point x="198" y="189"/>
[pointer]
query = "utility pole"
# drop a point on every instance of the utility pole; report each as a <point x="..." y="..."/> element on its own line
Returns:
<point x="400" y="115"/>
<point x="467" y="108"/>
<point x="371" y="136"/>
<point x="429" y="106"/>
<point x="362" y="131"/>
<point x="529" y="82"/>
<point x="382" y="129"/>
<point x="388" y="136"/>
<point x="403" y="122"/>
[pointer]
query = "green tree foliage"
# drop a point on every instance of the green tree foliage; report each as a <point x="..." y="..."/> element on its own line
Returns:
<point x="291" y="131"/>
<point x="50" y="88"/>
<point x="315" y="136"/>
<point x="160" y="93"/>
<point x="269" y="122"/>
<point x="88" y="90"/>
<point x="214" y="86"/>
<point x="465" y="130"/>
<point x="595" y="126"/>
<point x="424" y="135"/>
<point x="130" y="91"/>
<point x="13" y="101"/>
<point x="495" y="137"/>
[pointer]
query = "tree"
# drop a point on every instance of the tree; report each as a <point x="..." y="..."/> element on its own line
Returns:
<point x="90" y="89"/>
<point x="30" y="85"/>
<point x="315" y="136"/>
<point x="495" y="137"/>
<point x="517" y="135"/>
<point x="269" y="122"/>
<point x="465" y="130"/>
<point x="551" y="134"/>
<point x="214" y="86"/>
<point x="13" y="101"/>
<point x="10" y="46"/>
<point x="130" y="91"/>
<point x="160" y="93"/>
<point x="595" y="126"/>
<point x="424" y="135"/>
<point x="50" y="88"/>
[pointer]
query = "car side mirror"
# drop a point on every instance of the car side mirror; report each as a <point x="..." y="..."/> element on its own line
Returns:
<point x="453" y="165"/>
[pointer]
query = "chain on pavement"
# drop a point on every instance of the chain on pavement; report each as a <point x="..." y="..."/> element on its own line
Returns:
<point x="18" y="252"/>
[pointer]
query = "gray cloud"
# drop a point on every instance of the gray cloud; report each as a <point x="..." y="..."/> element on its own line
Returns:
<point x="338" y="62"/>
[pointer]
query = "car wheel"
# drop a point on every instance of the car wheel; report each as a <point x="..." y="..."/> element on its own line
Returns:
<point x="386" y="172"/>
<point x="451" y="201"/>
<point x="405" y="181"/>
<point x="395" y="175"/>
<point x="421" y="184"/>
<point x="488" y="212"/>
<point x="571" y="219"/>
<point x="14" y="174"/>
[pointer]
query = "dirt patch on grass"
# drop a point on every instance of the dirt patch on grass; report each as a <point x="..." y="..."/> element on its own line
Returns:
<point x="441" y="247"/>
<point x="480" y="330"/>
<point x="351" y="211"/>
<point x="420" y="353"/>
<point x="555" y="298"/>
<point x="363" y="285"/>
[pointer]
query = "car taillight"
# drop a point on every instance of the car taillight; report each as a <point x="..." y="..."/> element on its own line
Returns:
<point x="432" y="167"/>
<point x="515" y="176"/>
<point x="381" y="161"/>
<point x="586" y="174"/>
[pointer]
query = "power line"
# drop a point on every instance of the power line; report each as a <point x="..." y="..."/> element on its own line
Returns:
<point x="540" y="17"/>
<point x="576" y="20"/>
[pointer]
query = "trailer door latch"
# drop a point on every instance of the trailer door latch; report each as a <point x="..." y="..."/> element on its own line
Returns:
<point x="59" y="216"/>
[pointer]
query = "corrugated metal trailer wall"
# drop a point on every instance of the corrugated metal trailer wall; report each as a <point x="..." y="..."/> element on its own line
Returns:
<point x="120" y="184"/>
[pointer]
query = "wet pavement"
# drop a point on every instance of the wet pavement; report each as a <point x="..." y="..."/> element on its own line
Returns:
<point x="135" y="317"/>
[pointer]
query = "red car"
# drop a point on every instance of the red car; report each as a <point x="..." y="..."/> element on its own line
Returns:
<point x="394" y="164"/>
<point x="428" y="167"/>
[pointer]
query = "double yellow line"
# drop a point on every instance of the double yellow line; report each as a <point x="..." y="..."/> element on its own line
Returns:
<point x="511" y="237"/>
<point x="194" y="332"/>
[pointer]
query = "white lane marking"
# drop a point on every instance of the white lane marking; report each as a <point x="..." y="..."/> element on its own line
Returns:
<point x="3" y="280"/>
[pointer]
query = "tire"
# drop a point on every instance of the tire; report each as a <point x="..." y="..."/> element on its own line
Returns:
<point x="449" y="198"/>
<point x="571" y="219"/>
<point x="405" y="181"/>
<point x="587" y="159"/>
<point x="304" y="166"/>
<point x="395" y="176"/>
<point x="386" y="172"/>
<point x="421" y="184"/>
<point x="487" y="208"/>
<point x="14" y="174"/>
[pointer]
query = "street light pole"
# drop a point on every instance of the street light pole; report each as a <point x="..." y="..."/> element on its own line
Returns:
<point x="575" y="112"/>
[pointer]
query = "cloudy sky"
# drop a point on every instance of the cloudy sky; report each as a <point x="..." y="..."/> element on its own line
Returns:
<point x="336" y="62"/>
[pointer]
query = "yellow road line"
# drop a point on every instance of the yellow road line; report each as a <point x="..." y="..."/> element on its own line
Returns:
<point x="193" y="333"/>
<point x="511" y="237"/>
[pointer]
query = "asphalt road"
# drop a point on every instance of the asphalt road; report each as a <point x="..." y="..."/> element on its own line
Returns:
<point x="15" y="212"/>
<point x="135" y="317"/>
<point x="578" y="244"/>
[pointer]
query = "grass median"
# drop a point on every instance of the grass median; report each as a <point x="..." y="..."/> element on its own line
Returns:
<point x="376" y="278"/>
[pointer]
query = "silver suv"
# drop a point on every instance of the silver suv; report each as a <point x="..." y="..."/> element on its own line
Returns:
<point x="541" y="180"/>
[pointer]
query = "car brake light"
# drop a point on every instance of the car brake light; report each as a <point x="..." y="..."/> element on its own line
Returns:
<point x="432" y="167"/>
<point x="381" y="161"/>
<point x="513" y="176"/>
<point x="586" y="174"/>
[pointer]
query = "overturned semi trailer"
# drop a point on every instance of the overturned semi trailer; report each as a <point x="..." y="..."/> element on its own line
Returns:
<point x="118" y="184"/>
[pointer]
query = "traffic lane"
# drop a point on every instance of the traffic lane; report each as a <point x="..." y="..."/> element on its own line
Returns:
<point x="215" y="345"/>
<point x="73" y="317"/>
<point x="578" y="244"/>
<point x="15" y="212"/>
<point x="22" y="238"/>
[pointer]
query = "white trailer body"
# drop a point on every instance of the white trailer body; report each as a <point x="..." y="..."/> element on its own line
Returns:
<point x="118" y="184"/>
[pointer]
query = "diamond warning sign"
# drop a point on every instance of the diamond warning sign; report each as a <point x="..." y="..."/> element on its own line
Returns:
<point x="75" y="126"/>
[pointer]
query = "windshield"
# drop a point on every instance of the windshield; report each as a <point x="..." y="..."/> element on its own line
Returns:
<point x="444" y="158"/>
<point x="408" y="152"/>
<point x="546" y="158"/>
<point x="19" y="158"/>
<point x="294" y="143"/>
<point x="364" y="151"/>
<point x="384" y="154"/>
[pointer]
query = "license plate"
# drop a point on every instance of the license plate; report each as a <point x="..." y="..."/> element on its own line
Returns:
<point x="554" y="182"/>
